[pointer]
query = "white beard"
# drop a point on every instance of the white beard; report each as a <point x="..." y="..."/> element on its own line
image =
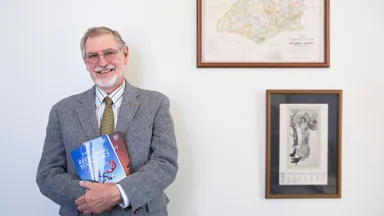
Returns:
<point x="107" y="83"/>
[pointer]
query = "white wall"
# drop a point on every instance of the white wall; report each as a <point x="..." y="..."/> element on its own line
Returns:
<point x="219" y="113"/>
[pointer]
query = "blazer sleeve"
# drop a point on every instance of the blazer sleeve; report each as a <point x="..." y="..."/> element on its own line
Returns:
<point x="52" y="179"/>
<point x="160" y="171"/>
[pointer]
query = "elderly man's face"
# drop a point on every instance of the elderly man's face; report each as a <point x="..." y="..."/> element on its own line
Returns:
<point x="105" y="61"/>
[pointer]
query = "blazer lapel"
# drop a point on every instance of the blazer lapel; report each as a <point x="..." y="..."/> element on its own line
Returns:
<point x="128" y="108"/>
<point x="87" y="113"/>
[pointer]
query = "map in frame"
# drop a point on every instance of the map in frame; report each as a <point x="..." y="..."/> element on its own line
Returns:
<point x="263" y="33"/>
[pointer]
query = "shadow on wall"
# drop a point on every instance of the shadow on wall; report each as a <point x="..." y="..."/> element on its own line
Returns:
<point x="132" y="70"/>
<point x="181" y="192"/>
<point x="261" y="146"/>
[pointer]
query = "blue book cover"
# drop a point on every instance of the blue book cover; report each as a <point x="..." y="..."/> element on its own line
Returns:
<point x="97" y="161"/>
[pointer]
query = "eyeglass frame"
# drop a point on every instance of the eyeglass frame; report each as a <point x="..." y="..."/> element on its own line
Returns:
<point x="97" y="55"/>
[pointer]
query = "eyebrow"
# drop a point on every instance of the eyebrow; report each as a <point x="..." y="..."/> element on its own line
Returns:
<point x="109" y="49"/>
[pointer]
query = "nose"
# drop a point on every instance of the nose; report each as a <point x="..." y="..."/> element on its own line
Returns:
<point x="102" y="61"/>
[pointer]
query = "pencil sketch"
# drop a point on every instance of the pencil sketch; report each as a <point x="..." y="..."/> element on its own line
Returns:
<point x="302" y="122"/>
<point x="303" y="144"/>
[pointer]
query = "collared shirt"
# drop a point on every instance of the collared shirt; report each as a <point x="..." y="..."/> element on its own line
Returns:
<point x="117" y="98"/>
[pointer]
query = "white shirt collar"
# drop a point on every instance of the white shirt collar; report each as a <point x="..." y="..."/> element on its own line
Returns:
<point x="116" y="96"/>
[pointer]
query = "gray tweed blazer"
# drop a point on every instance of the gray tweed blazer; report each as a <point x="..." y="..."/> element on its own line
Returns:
<point x="146" y="122"/>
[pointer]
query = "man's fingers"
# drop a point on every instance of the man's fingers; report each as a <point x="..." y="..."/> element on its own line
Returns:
<point x="80" y="200"/>
<point x="83" y="205"/>
<point x="97" y="197"/>
<point x="83" y="208"/>
<point x="86" y="212"/>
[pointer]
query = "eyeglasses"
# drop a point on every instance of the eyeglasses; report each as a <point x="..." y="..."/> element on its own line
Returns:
<point x="109" y="55"/>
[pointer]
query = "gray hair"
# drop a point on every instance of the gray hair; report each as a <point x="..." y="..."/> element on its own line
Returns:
<point x="91" y="32"/>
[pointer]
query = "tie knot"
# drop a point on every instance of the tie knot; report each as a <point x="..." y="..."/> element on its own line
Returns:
<point x="108" y="101"/>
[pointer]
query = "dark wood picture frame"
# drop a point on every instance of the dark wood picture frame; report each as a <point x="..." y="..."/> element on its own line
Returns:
<point x="282" y="117"/>
<point x="234" y="64"/>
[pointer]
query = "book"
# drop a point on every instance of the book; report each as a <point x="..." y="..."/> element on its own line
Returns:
<point x="118" y="143"/>
<point x="97" y="161"/>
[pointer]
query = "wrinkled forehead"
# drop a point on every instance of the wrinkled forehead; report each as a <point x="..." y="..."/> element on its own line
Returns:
<point x="99" y="43"/>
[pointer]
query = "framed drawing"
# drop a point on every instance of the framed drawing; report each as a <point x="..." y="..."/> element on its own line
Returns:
<point x="263" y="33"/>
<point x="303" y="144"/>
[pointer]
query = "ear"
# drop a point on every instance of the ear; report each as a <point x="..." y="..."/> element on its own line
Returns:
<point x="126" y="54"/>
<point x="85" y="63"/>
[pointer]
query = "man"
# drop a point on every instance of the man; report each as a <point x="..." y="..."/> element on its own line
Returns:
<point x="142" y="116"/>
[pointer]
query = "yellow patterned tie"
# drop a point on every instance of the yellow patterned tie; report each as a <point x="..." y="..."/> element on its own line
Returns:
<point x="107" y="122"/>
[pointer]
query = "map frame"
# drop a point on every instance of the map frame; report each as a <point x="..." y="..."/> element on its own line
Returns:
<point x="259" y="64"/>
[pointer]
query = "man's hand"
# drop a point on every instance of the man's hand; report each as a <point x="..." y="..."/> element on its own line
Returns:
<point x="98" y="197"/>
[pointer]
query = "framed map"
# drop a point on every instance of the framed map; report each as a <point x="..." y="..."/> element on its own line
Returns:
<point x="303" y="157"/>
<point x="263" y="33"/>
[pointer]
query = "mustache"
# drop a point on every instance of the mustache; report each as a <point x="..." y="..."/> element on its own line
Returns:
<point x="108" y="67"/>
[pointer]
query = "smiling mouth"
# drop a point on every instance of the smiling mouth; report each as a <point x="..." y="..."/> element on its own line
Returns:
<point x="105" y="71"/>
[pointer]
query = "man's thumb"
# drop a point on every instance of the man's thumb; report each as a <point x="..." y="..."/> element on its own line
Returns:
<point x="85" y="184"/>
